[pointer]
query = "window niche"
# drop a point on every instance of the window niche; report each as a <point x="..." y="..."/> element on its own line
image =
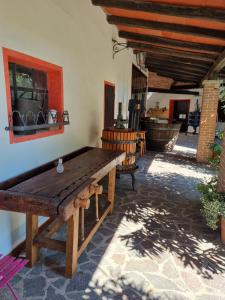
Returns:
<point x="34" y="97"/>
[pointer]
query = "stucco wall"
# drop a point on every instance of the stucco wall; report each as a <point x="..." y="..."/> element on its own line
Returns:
<point x="164" y="100"/>
<point x="76" y="36"/>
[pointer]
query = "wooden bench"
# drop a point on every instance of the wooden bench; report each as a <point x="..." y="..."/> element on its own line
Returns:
<point x="62" y="198"/>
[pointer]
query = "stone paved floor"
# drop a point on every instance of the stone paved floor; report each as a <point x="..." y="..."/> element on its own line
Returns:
<point x="155" y="245"/>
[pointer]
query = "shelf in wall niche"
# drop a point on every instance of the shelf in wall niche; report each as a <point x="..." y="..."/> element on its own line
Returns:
<point x="35" y="127"/>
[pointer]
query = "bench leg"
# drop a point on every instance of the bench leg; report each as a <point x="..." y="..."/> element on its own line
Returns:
<point x="31" y="232"/>
<point x="111" y="187"/>
<point x="72" y="244"/>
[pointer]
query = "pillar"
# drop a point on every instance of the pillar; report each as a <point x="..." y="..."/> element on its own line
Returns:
<point x="221" y="181"/>
<point x="210" y="99"/>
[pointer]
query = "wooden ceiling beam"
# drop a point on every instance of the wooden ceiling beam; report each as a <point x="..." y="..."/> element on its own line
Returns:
<point x="172" y="91"/>
<point x="176" y="72"/>
<point x="169" y="59"/>
<point x="185" y="87"/>
<point x="218" y="65"/>
<point x="169" y="42"/>
<point x="194" y="70"/>
<point x="178" y="77"/>
<point x="165" y="9"/>
<point x="171" y="52"/>
<point x="171" y="27"/>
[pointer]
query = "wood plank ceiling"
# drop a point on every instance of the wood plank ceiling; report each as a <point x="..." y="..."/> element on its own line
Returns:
<point x="182" y="39"/>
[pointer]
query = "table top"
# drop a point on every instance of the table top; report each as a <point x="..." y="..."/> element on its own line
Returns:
<point x="44" y="193"/>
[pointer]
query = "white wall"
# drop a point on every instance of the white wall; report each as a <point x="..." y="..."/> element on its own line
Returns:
<point x="164" y="99"/>
<point x="76" y="36"/>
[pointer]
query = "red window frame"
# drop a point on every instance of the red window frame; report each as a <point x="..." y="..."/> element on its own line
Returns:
<point x="55" y="89"/>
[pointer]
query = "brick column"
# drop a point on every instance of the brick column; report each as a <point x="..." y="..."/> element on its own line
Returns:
<point x="221" y="182"/>
<point x="210" y="99"/>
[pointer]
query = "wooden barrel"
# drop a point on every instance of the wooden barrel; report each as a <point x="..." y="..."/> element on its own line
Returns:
<point x="161" y="137"/>
<point x="121" y="140"/>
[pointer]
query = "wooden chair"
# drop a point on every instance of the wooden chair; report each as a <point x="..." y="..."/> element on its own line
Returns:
<point x="141" y="135"/>
<point x="9" y="267"/>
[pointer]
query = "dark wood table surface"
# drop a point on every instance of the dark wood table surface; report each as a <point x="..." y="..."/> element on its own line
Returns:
<point x="49" y="193"/>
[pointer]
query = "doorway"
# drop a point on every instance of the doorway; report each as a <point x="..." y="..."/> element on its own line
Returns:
<point x="109" y="104"/>
<point x="179" y="112"/>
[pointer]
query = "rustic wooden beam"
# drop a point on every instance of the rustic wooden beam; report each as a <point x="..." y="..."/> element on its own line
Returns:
<point x="178" y="28"/>
<point x="175" y="72"/>
<point x="72" y="235"/>
<point x="186" y="87"/>
<point x="178" y="77"/>
<point x="171" y="52"/>
<point x="172" y="91"/>
<point x="169" y="42"/>
<point x="165" y="62"/>
<point x="179" y="67"/>
<point x="31" y="232"/>
<point x="218" y="65"/>
<point x="165" y="9"/>
<point x="168" y="58"/>
<point x="55" y="245"/>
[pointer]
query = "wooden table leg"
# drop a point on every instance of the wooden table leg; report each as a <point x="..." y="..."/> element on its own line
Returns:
<point x="111" y="188"/>
<point x="72" y="244"/>
<point x="31" y="231"/>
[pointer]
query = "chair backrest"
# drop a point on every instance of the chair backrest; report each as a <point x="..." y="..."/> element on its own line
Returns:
<point x="9" y="267"/>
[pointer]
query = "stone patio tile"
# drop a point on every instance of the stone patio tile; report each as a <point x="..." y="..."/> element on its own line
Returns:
<point x="34" y="287"/>
<point x="142" y="265"/>
<point x="160" y="282"/>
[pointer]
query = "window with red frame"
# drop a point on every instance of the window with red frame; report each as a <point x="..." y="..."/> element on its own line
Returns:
<point x="34" y="91"/>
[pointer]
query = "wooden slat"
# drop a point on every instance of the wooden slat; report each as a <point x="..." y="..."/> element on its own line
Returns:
<point x="178" y="66"/>
<point x="162" y="26"/>
<point x="176" y="53"/>
<point x="93" y="231"/>
<point x="165" y="57"/>
<point x="166" y="9"/>
<point x="176" y="70"/>
<point x="51" y="244"/>
<point x="169" y="42"/>
<point x="178" y="78"/>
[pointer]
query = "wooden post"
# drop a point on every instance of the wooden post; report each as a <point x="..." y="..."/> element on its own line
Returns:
<point x="111" y="188"/>
<point x="72" y="244"/>
<point x="31" y="232"/>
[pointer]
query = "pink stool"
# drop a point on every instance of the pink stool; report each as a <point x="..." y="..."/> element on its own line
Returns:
<point x="9" y="267"/>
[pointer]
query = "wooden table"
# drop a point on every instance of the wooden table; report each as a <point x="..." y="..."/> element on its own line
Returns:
<point x="62" y="198"/>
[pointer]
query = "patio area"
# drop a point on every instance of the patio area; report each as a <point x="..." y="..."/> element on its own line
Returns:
<point x="155" y="245"/>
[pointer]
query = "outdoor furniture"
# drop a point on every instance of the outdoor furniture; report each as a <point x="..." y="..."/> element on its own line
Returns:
<point x="9" y="267"/>
<point x="122" y="140"/>
<point x="142" y="140"/>
<point x="63" y="198"/>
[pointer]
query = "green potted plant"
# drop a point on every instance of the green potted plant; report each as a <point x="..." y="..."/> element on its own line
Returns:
<point x="213" y="205"/>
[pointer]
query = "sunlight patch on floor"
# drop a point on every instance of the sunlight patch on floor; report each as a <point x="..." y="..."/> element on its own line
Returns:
<point x="184" y="149"/>
<point x="165" y="168"/>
